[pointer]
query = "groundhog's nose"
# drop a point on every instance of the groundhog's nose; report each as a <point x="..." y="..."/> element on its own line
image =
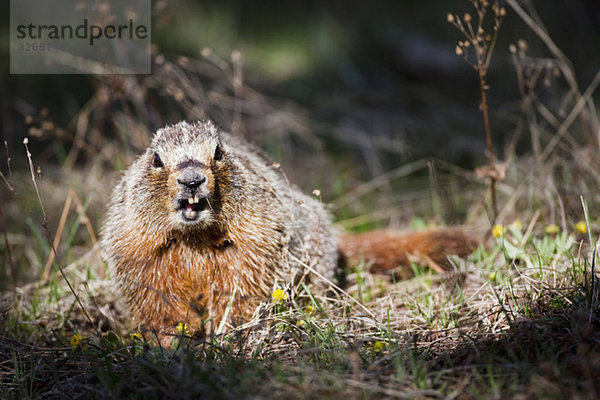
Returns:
<point x="191" y="179"/>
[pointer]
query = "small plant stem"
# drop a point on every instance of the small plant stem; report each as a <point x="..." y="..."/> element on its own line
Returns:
<point x="10" y="271"/>
<point x="37" y="191"/>
<point x="227" y="310"/>
<point x="482" y="70"/>
<point x="587" y="222"/>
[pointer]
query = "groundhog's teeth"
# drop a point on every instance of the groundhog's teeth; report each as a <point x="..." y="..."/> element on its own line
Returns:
<point x="196" y="199"/>
<point x="191" y="200"/>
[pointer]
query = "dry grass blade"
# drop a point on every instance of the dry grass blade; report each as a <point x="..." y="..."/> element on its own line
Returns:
<point x="518" y="318"/>
<point x="380" y="181"/>
<point x="71" y="196"/>
<point x="333" y="285"/>
<point x="31" y="170"/>
<point x="223" y="321"/>
<point x="11" y="266"/>
<point x="57" y="236"/>
<point x="579" y="106"/>
<point x="541" y="32"/>
<point x="564" y="64"/>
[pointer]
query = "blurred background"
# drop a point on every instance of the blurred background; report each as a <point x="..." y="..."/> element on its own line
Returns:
<point x="368" y="103"/>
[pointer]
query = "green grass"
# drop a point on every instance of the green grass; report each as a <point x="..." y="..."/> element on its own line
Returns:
<point x="518" y="319"/>
<point x="520" y="316"/>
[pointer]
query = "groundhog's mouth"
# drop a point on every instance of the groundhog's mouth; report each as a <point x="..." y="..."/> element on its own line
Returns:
<point x="191" y="207"/>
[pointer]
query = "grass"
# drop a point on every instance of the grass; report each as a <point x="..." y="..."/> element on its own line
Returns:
<point x="518" y="318"/>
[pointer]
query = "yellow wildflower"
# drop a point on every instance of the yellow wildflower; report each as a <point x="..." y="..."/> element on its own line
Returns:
<point x="310" y="310"/>
<point x="301" y="322"/>
<point x="182" y="328"/>
<point x="498" y="230"/>
<point x="581" y="227"/>
<point x="378" y="346"/>
<point x="492" y="276"/>
<point x="279" y="296"/>
<point x="77" y="340"/>
<point x="552" y="229"/>
<point x="135" y="336"/>
<point x="517" y="224"/>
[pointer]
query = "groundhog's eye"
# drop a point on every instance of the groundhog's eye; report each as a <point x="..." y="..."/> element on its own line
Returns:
<point x="218" y="153"/>
<point x="156" y="161"/>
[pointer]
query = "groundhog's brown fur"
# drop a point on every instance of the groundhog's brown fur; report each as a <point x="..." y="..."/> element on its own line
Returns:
<point x="384" y="251"/>
<point x="201" y="218"/>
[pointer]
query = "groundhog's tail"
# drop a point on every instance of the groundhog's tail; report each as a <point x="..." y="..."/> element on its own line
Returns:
<point x="386" y="250"/>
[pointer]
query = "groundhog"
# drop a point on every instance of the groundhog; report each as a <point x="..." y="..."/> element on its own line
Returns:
<point x="202" y="219"/>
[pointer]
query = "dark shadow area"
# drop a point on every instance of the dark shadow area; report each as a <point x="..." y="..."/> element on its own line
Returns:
<point x="553" y="354"/>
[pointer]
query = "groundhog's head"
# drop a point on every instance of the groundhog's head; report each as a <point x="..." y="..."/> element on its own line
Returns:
<point x="188" y="169"/>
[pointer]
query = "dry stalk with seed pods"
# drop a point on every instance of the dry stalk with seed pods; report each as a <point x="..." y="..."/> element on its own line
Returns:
<point x="477" y="50"/>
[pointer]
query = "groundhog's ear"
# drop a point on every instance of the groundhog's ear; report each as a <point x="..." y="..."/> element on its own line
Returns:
<point x="218" y="153"/>
<point x="156" y="161"/>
